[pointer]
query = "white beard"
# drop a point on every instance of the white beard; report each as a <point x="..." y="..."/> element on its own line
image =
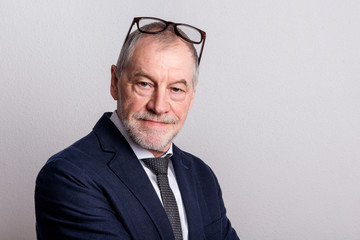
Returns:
<point x="148" y="138"/>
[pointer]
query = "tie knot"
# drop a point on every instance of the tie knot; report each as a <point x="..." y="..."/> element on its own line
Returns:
<point x="157" y="165"/>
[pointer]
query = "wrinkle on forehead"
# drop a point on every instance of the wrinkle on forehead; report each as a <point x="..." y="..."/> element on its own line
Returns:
<point x="163" y="45"/>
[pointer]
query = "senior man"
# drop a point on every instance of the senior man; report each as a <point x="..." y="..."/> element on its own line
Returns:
<point x="126" y="179"/>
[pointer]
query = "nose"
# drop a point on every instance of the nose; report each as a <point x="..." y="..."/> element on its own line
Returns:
<point x="159" y="102"/>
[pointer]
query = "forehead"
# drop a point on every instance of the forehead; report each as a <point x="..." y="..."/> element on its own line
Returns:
<point x="153" y="55"/>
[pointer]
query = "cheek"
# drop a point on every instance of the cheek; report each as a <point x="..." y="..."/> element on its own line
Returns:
<point x="132" y="104"/>
<point x="181" y="111"/>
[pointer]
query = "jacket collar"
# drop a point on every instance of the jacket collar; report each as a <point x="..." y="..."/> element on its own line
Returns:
<point x="188" y="185"/>
<point x="128" y="169"/>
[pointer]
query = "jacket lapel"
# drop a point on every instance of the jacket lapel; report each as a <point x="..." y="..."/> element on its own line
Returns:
<point x="187" y="185"/>
<point x="128" y="169"/>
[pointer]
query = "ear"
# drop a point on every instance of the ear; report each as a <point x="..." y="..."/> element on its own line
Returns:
<point x="114" y="83"/>
<point x="193" y="95"/>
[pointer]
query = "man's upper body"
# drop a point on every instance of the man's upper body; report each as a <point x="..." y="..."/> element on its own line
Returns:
<point x="99" y="189"/>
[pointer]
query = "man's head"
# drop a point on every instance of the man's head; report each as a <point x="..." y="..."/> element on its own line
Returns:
<point x="166" y="37"/>
<point x="154" y="83"/>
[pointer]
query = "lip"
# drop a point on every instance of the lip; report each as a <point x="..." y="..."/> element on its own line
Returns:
<point x="155" y="123"/>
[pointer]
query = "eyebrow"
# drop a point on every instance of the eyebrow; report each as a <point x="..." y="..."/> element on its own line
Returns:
<point x="181" y="81"/>
<point x="143" y="74"/>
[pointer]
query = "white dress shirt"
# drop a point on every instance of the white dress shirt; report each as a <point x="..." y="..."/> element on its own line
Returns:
<point x="143" y="153"/>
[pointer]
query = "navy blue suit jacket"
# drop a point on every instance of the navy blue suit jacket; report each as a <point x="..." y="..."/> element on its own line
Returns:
<point x="97" y="189"/>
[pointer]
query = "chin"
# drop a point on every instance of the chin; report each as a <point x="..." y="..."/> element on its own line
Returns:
<point x="155" y="140"/>
<point x="158" y="145"/>
<point x="150" y="138"/>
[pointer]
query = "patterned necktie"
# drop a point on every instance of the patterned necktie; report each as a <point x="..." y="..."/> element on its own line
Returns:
<point x="160" y="166"/>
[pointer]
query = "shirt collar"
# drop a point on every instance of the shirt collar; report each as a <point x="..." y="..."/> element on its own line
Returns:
<point x="138" y="150"/>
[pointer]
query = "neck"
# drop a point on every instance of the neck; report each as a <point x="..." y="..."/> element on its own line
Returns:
<point x="156" y="153"/>
<point x="160" y="153"/>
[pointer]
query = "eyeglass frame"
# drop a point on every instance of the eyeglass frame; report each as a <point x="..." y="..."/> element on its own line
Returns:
<point x="176" y="31"/>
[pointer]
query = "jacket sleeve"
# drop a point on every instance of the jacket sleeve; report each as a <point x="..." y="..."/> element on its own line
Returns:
<point x="69" y="205"/>
<point x="228" y="232"/>
<point x="220" y="227"/>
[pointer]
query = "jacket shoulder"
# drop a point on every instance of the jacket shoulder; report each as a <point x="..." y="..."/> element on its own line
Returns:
<point x="85" y="155"/>
<point x="195" y="162"/>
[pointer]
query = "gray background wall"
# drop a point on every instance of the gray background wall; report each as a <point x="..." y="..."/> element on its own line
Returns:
<point x="276" y="114"/>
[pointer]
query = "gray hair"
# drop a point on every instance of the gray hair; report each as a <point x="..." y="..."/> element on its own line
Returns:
<point x="167" y="37"/>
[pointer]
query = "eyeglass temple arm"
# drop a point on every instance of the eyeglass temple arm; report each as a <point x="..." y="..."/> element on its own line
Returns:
<point x="202" y="46"/>
<point x="132" y="24"/>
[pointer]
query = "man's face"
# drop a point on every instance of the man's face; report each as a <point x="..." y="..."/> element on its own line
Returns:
<point x="155" y="93"/>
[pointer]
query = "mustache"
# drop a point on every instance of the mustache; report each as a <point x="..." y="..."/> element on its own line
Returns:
<point x="154" y="117"/>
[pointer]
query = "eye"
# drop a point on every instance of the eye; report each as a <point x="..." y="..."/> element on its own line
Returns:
<point x="176" y="90"/>
<point x="143" y="84"/>
<point x="177" y="94"/>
